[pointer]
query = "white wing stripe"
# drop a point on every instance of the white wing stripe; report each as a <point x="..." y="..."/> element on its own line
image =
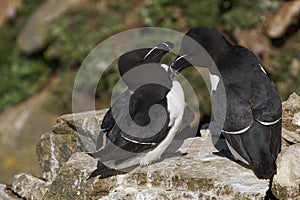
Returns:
<point x="180" y="57"/>
<point x="149" y="52"/>
<point x="247" y="128"/>
<point x="164" y="43"/>
<point x="262" y="69"/>
<point x="238" y="132"/>
<point x="268" y="123"/>
<point x="136" y="142"/>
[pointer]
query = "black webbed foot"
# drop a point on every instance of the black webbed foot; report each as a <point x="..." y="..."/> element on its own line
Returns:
<point x="104" y="172"/>
<point x="225" y="154"/>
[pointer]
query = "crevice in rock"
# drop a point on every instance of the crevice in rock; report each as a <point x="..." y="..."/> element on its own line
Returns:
<point x="10" y="192"/>
<point x="269" y="193"/>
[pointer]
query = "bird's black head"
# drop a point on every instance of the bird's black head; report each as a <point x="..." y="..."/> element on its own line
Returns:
<point x="193" y="46"/>
<point x="142" y="66"/>
<point x="142" y="56"/>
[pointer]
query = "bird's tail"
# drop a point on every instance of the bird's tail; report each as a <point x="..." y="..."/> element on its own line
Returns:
<point x="259" y="146"/>
<point x="264" y="143"/>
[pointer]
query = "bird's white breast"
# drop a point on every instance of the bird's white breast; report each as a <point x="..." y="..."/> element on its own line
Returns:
<point x="175" y="105"/>
<point x="175" y="99"/>
<point x="175" y="102"/>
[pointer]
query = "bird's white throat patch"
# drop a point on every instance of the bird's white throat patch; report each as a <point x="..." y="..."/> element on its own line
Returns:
<point x="214" y="81"/>
<point x="164" y="66"/>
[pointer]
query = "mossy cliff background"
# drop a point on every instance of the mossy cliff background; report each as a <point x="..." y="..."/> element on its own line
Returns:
<point x="43" y="43"/>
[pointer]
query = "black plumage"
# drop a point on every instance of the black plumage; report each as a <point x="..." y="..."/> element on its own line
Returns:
<point x="252" y="126"/>
<point x="140" y="120"/>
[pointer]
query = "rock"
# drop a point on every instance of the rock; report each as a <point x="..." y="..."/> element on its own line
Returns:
<point x="71" y="183"/>
<point x="200" y="174"/>
<point x="8" y="9"/>
<point x="287" y="15"/>
<point x="87" y="125"/>
<point x="286" y="183"/>
<point x="4" y="194"/>
<point x="35" y="35"/>
<point x="29" y="187"/>
<point x="296" y="119"/>
<point x="55" y="148"/>
<point x="291" y="119"/>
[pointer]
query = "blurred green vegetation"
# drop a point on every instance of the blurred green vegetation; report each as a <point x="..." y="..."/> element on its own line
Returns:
<point x="78" y="33"/>
<point x="72" y="39"/>
<point x="240" y="13"/>
<point x="60" y="100"/>
<point x="75" y="35"/>
<point x="180" y="14"/>
<point x="21" y="76"/>
<point x="284" y="78"/>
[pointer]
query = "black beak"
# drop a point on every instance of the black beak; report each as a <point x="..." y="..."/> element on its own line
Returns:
<point x="161" y="48"/>
<point x="167" y="46"/>
<point x="179" y="64"/>
<point x="172" y="73"/>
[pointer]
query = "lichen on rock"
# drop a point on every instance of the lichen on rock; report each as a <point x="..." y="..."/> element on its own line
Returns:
<point x="28" y="186"/>
<point x="290" y="119"/>
<point x="286" y="183"/>
<point x="56" y="147"/>
<point x="199" y="174"/>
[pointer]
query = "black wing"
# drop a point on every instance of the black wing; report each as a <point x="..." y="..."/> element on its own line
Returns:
<point x="118" y="142"/>
<point x="238" y="112"/>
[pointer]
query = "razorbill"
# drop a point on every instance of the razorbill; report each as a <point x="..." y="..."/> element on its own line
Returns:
<point x="143" y="121"/>
<point x="252" y="127"/>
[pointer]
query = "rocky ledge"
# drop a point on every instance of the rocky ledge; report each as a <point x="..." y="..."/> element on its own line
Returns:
<point x="200" y="174"/>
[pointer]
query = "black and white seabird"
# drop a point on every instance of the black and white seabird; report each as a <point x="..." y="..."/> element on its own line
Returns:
<point x="134" y="131"/>
<point x="252" y="127"/>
